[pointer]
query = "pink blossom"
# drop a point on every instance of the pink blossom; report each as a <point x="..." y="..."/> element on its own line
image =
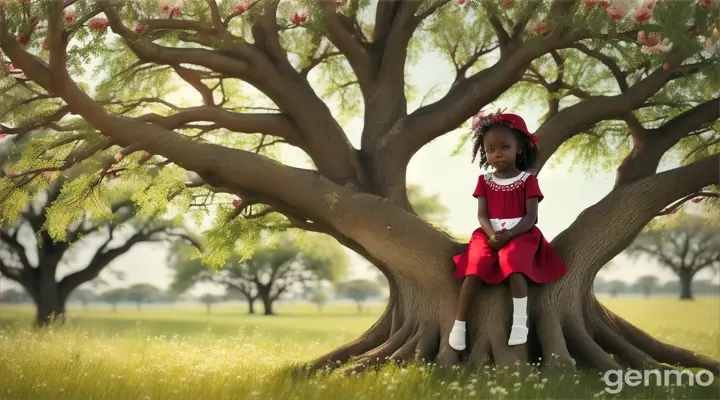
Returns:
<point x="298" y="19"/>
<point x="139" y="28"/>
<point x="9" y="68"/>
<point x="70" y="17"/>
<point x="236" y="203"/>
<point x="615" y="13"/>
<point x="705" y="4"/>
<point x="642" y="14"/>
<point x="241" y="8"/>
<point x="539" y="27"/>
<point x="666" y="66"/>
<point x="175" y="11"/>
<point x="98" y="24"/>
<point x="506" y="3"/>
<point x="604" y="4"/>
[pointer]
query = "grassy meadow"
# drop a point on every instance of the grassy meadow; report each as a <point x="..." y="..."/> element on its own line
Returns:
<point x="184" y="353"/>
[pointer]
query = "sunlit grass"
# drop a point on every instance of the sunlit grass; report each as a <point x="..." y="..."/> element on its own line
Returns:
<point x="183" y="353"/>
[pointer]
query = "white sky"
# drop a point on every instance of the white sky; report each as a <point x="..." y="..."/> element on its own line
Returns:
<point x="566" y="193"/>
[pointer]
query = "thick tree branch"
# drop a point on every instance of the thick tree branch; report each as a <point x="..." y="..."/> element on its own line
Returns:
<point x="574" y="119"/>
<point x="12" y="273"/>
<point x="274" y="124"/>
<point x="649" y="145"/>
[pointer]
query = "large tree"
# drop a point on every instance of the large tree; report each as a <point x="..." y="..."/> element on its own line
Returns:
<point x="34" y="259"/>
<point x="615" y="79"/>
<point x="273" y="270"/>
<point x="686" y="246"/>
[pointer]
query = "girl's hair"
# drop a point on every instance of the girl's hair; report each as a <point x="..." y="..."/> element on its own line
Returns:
<point x="524" y="161"/>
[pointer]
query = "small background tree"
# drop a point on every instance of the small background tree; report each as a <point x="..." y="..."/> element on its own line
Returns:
<point x="208" y="299"/>
<point x="647" y="284"/>
<point x="686" y="245"/>
<point x="320" y="298"/>
<point x="359" y="291"/>
<point x="273" y="269"/>
<point x="114" y="296"/>
<point x="141" y="293"/>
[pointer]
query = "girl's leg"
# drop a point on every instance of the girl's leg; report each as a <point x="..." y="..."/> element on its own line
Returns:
<point x="519" y="292"/>
<point x="467" y="293"/>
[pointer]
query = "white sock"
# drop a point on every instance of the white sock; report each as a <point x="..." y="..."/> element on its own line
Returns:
<point x="518" y="332"/>
<point x="457" y="336"/>
<point x="520" y="311"/>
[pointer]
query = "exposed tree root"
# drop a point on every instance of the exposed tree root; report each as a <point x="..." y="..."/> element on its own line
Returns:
<point x="590" y="334"/>
<point x="586" y="349"/>
<point x="555" y="353"/>
<point x="428" y="343"/>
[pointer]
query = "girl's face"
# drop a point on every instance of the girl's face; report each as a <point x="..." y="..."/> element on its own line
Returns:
<point x="501" y="148"/>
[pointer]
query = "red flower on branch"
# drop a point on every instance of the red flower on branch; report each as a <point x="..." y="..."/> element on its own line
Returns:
<point x="9" y="68"/>
<point x="705" y="4"/>
<point x="615" y="13"/>
<point x="604" y="4"/>
<point x="298" y="19"/>
<point x="697" y="200"/>
<point x="45" y="45"/>
<point x="339" y="3"/>
<point x="2" y="134"/>
<point x="22" y="39"/>
<point x="642" y="15"/>
<point x="666" y="66"/>
<point x="236" y="203"/>
<point x="241" y="8"/>
<point x="175" y="11"/>
<point x="98" y="24"/>
<point x="70" y="17"/>
<point x="506" y="3"/>
<point x="462" y="2"/>
<point x="539" y="27"/>
<point x="139" y="28"/>
<point x="165" y="9"/>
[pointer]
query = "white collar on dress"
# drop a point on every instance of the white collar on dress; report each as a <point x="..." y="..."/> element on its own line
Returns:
<point x="507" y="181"/>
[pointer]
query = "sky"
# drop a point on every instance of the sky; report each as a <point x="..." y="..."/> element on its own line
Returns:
<point x="568" y="191"/>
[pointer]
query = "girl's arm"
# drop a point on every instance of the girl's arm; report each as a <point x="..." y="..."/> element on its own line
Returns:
<point x="527" y="222"/>
<point x="483" y="218"/>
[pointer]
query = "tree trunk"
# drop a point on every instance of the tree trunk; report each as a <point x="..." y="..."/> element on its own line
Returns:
<point x="208" y="306"/>
<point x="251" y="305"/>
<point x="267" y="303"/>
<point x="685" y="285"/>
<point x="568" y="326"/>
<point x="139" y="305"/>
<point x="48" y="298"/>
<point x="114" y="307"/>
<point x="359" y="307"/>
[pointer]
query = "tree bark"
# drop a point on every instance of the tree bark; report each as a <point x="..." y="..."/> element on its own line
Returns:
<point x="46" y="294"/>
<point x="251" y="305"/>
<point x="686" y="278"/>
<point x="268" y="305"/>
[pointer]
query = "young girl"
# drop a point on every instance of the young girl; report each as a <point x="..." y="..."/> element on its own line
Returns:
<point x="507" y="245"/>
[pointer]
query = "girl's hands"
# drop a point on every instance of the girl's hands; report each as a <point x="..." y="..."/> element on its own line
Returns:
<point x="500" y="239"/>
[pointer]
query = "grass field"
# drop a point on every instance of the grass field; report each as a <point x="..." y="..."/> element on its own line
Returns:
<point x="183" y="353"/>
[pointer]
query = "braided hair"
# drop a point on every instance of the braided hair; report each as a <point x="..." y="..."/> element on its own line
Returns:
<point x="524" y="161"/>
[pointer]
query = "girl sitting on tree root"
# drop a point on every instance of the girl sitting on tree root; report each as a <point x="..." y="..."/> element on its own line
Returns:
<point x="508" y="244"/>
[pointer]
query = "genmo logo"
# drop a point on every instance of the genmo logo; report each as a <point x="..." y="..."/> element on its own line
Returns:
<point x="616" y="380"/>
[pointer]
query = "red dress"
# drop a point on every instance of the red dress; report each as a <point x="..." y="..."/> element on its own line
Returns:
<point x="528" y="253"/>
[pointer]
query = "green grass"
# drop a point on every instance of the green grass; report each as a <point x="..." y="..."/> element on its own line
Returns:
<point x="183" y="353"/>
